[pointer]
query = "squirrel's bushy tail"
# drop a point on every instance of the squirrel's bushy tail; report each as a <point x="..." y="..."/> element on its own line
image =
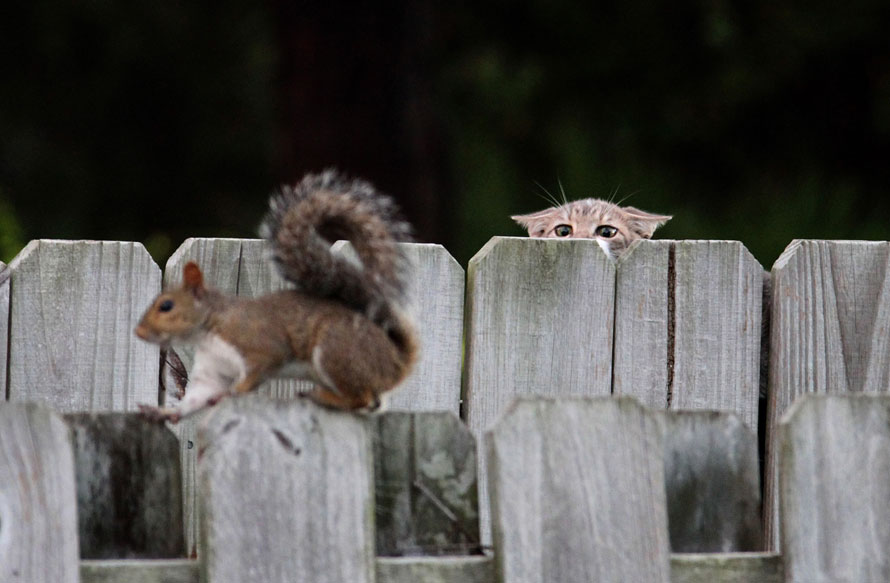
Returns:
<point x="305" y="219"/>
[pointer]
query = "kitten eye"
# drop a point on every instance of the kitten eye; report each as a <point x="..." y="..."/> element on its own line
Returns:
<point x="166" y="306"/>
<point x="606" y="231"/>
<point x="562" y="230"/>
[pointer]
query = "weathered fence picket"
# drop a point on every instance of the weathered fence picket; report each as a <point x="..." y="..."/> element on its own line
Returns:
<point x="313" y="515"/>
<point x="72" y="308"/>
<point x="577" y="492"/>
<point x="539" y="322"/>
<point x="642" y="324"/>
<point x="4" y="326"/>
<point x="38" y="512"/>
<point x="829" y="333"/>
<point x="718" y="299"/>
<point x="687" y="326"/>
<point x="835" y="492"/>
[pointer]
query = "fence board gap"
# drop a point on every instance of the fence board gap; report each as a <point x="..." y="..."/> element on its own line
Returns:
<point x="425" y="476"/>
<point x="712" y="479"/>
<point x="129" y="488"/>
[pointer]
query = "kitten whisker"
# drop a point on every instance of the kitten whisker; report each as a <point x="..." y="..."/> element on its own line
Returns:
<point x="562" y="190"/>
<point x="620" y="202"/>
<point x="549" y="198"/>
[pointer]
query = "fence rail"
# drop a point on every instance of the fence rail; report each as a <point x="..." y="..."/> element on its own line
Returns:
<point x="578" y="487"/>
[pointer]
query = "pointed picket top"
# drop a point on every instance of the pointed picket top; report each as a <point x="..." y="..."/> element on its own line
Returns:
<point x="287" y="492"/>
<point x="834" y="492"/>
<point x="577" y="491"/>
<point x="830" y="332"/>
<point x="72" y="309"/>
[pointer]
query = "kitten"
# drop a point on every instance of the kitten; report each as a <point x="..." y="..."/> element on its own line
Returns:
<point x="613" y="227"/>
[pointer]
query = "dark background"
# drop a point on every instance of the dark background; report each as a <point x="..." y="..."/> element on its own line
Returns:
<point x="761" y="121"/>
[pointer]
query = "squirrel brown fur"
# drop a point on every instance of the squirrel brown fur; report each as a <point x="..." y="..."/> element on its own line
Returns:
<point x="341" y="326"/>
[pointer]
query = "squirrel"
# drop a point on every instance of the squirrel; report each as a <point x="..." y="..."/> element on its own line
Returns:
<point x="341" y="326"/>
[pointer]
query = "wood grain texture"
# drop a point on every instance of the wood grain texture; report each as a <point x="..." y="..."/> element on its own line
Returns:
<point x="129" y="488"/>
<point x="540" y="315"/>
<point x="435" y="570"/>
<point x="425" y="478"/>
<point x="38" y="513"/>
<point x="73" y="306"/>
<point x="835" y="495"/>
<point x="578" y="492"/>
<point x="688" y="326"/>
<point x="712" y="479"/>
<point x="286" y="492"/>
<point x="140" y="571"/>
<point x="436" y="301"/>
<point x="641" y="324"/>
<point x="727" y="568"/>
<point x="829" y="333"/>
<point x="719" y="294"/>
<point x="4" y="327"/>
<point x="539" y="322"/>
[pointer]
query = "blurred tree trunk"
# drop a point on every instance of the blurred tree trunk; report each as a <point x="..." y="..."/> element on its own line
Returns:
<point x="356" y="93"/>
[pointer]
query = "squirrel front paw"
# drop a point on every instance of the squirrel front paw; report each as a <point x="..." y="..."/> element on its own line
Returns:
<point x="158" y="414"/>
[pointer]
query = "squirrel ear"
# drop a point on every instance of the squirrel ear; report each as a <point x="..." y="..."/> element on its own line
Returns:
<point x="192" y="278"/>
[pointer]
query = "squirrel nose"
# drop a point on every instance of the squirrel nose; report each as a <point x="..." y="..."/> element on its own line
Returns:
<point x="142" y="332"/>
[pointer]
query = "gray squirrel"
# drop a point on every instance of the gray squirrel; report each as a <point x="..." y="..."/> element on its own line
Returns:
<point x="342" y="327"/>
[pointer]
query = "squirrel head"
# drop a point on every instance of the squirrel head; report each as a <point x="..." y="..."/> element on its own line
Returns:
<point x="178" y="313"/>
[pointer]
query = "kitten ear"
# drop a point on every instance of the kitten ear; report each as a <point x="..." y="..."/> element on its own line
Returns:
<point x="643" y="223"/>
<point x="534" y="223"/>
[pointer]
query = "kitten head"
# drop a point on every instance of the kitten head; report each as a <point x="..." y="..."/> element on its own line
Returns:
<point x="613" y="227"/>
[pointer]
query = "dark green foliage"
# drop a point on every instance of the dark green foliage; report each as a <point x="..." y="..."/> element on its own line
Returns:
<point x="759" y="121"/>
<point x="135" y="120"/>
<point x="754" y="121"/>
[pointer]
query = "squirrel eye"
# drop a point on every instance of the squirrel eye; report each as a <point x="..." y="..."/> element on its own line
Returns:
<point x="166" y="306"/>
<point x="563" y="230"/>
<point x="606" y="231"/>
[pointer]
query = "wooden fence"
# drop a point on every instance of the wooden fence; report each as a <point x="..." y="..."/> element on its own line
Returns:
<point x="579" y="488"/>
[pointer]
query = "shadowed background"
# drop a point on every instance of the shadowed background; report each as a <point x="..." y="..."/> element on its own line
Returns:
<point x="760" y="121"/>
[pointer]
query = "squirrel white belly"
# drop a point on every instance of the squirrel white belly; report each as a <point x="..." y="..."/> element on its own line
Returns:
<point x="342" y="326"/>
